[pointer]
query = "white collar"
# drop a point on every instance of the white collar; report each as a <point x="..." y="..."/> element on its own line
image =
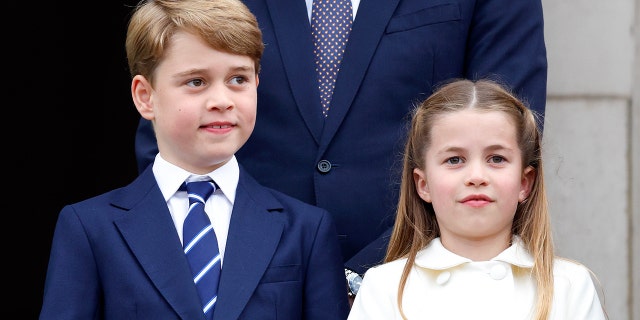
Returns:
<point x="170" y="177"/>
<point x="435" y="256"/>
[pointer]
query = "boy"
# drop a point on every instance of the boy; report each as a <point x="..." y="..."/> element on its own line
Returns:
<point x="120" y="255"/>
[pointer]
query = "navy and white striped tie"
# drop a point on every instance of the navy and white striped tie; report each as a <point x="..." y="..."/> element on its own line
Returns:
<point x="201" y="245"/>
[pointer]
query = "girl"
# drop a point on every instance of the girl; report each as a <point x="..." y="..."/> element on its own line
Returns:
<point x="472" y="238"/>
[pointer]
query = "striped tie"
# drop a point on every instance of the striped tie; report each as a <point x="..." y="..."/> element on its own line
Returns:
<point x="331" y="22"/>
<point x="201" y="245"/>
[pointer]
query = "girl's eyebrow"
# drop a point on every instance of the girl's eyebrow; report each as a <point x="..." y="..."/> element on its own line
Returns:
<point x="451" y="149"/>
<point x="493" y="147"/>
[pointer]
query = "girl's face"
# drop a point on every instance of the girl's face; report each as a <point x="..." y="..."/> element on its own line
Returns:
<point x="474" y="176"/>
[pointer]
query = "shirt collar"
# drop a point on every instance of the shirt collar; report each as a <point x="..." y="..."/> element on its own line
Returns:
<point x="435" y="256"/>
<point x="170" y="177"/>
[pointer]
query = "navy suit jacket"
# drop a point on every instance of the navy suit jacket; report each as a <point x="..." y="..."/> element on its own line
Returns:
<point x="118" y="256"/>
<point x="398" y="52"/>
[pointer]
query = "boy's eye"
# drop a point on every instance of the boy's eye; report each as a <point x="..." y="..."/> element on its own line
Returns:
<point x="195" y="83"/>
<point x="238" y="80"/>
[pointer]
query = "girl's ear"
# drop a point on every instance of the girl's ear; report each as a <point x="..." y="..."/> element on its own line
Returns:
<point x="141" y="92"/>
<point x="528" y="177"/>
<point x="422" y="187"/>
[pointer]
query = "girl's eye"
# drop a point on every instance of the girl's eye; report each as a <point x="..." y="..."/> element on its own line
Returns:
<point x="454" y="160"/>
<point x="496" y="159"/>
<point x="195" y="83"/>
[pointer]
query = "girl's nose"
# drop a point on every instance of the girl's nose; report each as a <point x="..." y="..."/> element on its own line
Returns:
<point x="476" y="174"/>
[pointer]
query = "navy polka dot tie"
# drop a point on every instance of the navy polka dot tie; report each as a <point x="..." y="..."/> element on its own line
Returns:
<point x="201" y="245"/>
<point x="331" y="24"/>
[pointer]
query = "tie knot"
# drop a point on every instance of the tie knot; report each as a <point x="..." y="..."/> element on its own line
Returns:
<point x="199" y="191"/>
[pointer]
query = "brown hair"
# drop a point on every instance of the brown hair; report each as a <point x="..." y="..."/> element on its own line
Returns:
<point x="226" y="25"/>
<point x="416" y="225"/>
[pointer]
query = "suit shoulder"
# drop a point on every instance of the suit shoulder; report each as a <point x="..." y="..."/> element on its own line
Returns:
<point x="93" y="200"/>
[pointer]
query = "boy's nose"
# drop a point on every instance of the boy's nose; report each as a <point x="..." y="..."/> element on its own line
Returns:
<point x="219" y="98"/>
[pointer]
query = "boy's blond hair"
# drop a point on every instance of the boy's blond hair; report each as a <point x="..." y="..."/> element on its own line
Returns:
<point x="226" y="25"/>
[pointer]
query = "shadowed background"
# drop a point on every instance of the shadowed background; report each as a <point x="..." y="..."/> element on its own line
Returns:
<point x="71" y="124"/>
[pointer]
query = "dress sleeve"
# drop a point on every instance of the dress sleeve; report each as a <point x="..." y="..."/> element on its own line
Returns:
<point x="376" y="299"/>
<point x="575" y="294"/>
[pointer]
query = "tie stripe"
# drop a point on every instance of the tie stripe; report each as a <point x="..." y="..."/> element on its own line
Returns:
<point x="201" y="245"/>
<point x="197" y="238"/>
<point x="206" y="269"/>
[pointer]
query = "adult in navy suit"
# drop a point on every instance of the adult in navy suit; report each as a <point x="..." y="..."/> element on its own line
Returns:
<point x="397" y="52"/>
<point x="120" y="255"/>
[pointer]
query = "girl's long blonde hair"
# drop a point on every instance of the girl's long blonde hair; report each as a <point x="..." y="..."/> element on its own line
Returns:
<point x="416" y="225"/>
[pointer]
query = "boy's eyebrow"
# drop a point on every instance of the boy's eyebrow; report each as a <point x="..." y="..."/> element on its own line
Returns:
<point x="189" y="72"/>
<point x="242" y="68"/>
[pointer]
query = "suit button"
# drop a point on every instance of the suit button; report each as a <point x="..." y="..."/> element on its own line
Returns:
<point x="324" y="166"/>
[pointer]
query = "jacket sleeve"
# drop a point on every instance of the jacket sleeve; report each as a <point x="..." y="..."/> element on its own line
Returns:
<point x="71" y="288"/>
<point x="371" y="255"/>
<point x="325" y="292"/>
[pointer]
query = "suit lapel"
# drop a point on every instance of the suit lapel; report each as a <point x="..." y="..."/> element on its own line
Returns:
<point x="254" y="232"/>
<point x="368" y="28"/>
<point x="292" y="29"/>
<point x="150" y="233"/>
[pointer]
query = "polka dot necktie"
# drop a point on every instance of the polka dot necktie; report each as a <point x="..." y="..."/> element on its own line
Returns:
<point x="331" y="24"/>
<point x="201" y="245"/>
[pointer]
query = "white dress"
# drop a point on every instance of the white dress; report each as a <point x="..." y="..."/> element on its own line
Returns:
<point x="443" y="285"/>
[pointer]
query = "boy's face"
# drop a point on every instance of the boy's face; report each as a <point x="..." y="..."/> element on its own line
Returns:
<point x="202" y="104"/>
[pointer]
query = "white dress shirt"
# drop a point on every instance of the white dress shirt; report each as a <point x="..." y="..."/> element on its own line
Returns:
<point x="219" y="205"/>
<point x="354" y="4"/>
<point x="443" y="285"/>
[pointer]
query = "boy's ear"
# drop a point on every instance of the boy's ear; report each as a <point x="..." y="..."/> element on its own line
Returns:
<point x="141" y="93"/>
<point x="422" y="187"/>
<point x="528" y="177"/>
